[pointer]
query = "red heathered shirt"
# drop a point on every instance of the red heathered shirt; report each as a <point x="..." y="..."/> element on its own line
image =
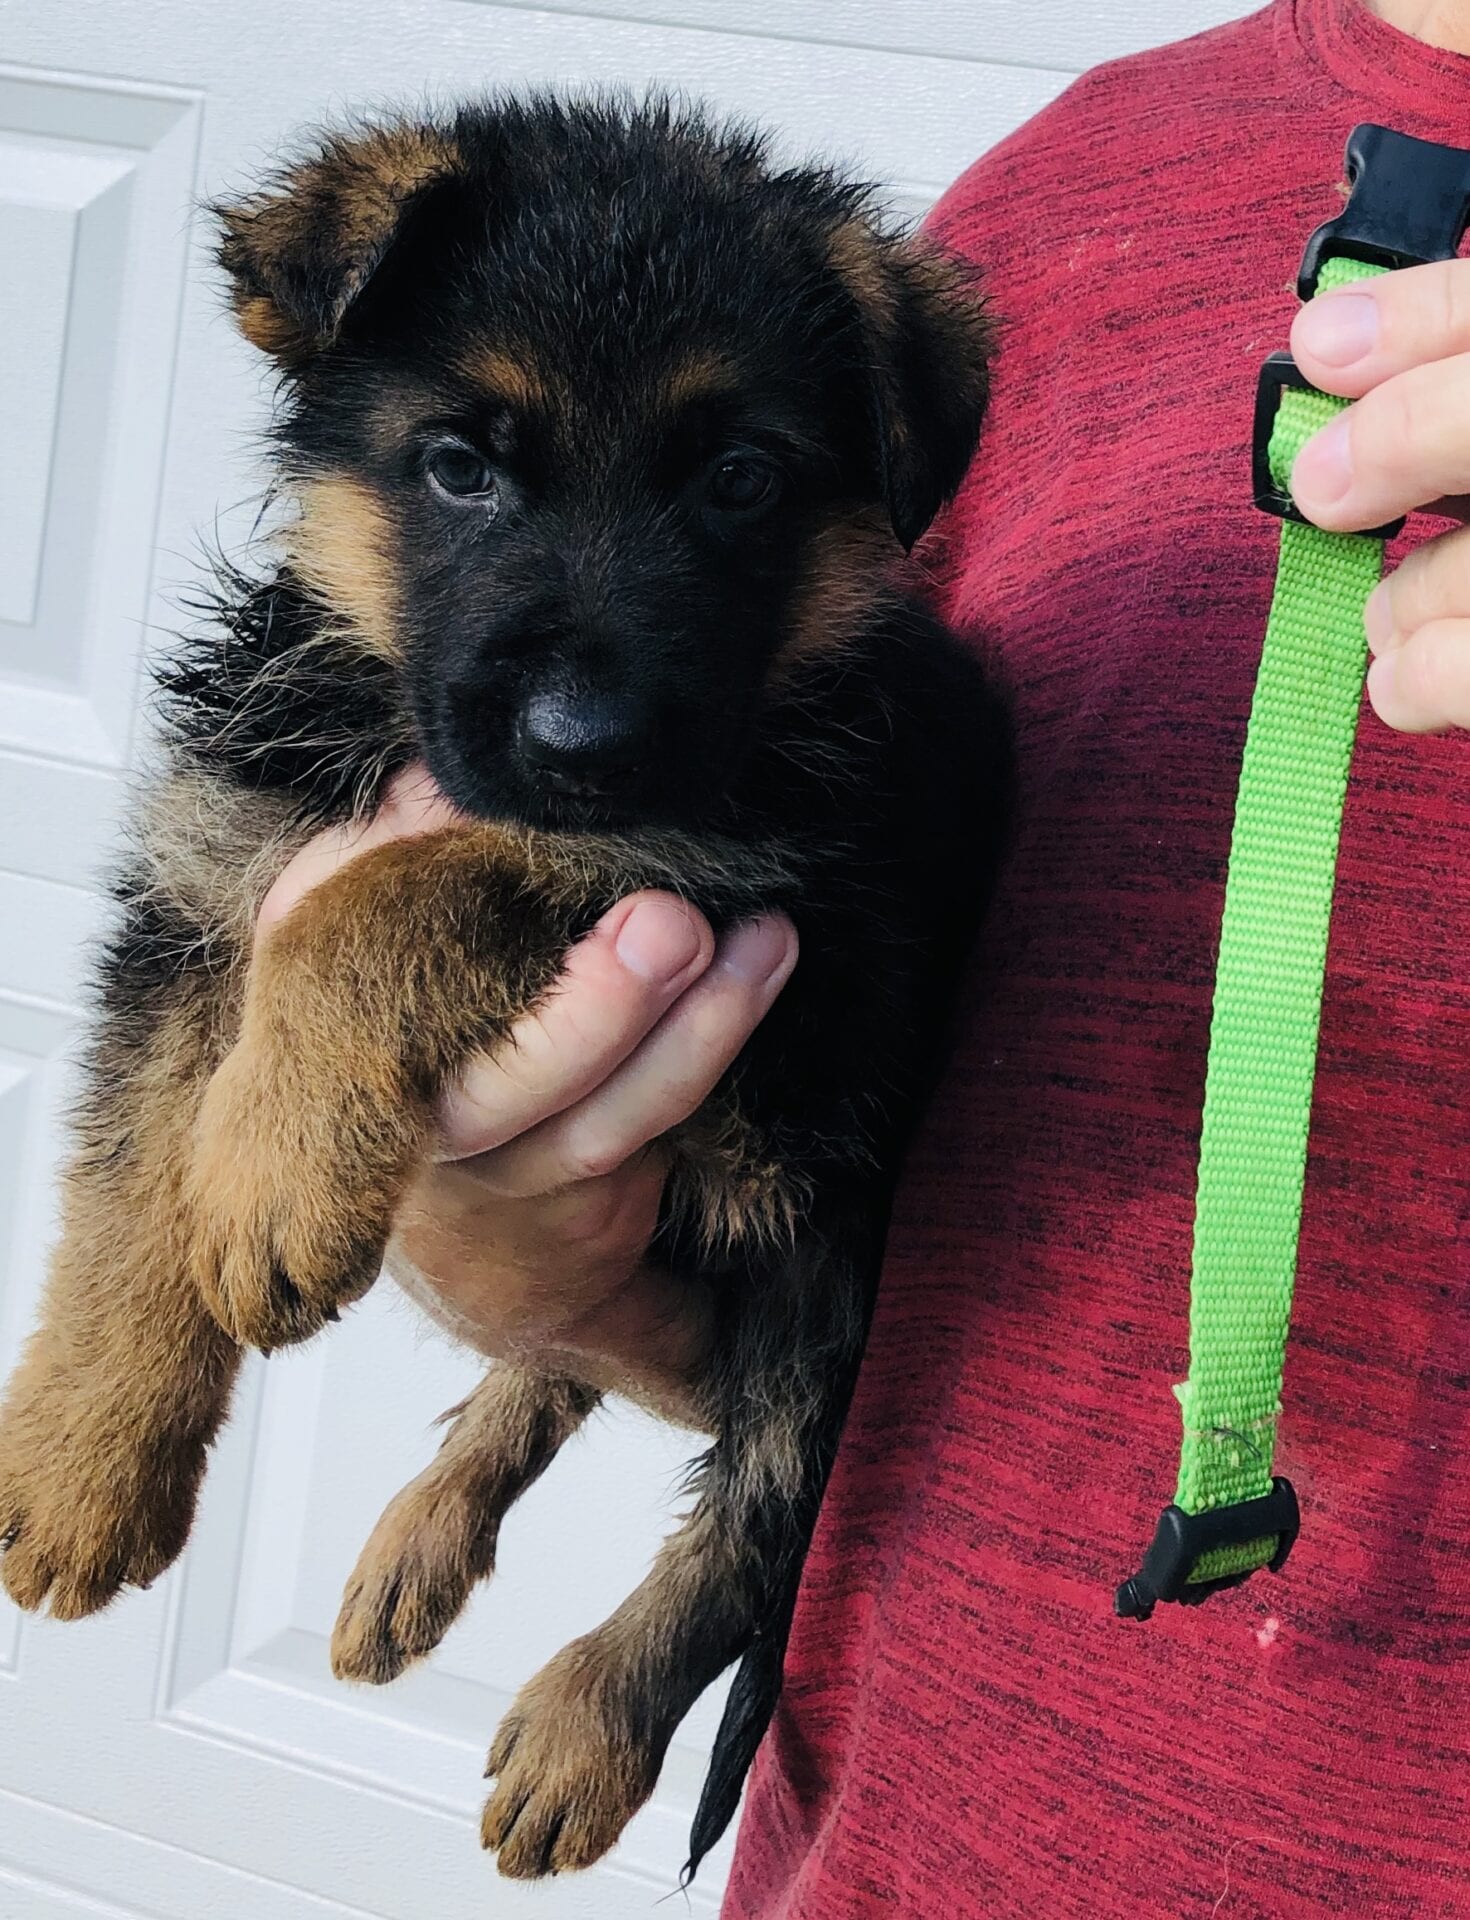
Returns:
<point x="967" y="1731"/>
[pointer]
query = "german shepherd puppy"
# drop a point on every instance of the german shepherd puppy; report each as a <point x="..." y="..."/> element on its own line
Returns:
<point x="602" y="439"/>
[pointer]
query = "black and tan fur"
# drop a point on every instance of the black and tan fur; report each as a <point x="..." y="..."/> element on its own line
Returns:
<point x="601" y="442"/>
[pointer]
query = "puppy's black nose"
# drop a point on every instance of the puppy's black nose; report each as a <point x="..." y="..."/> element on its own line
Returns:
<point x="583" y="743"/>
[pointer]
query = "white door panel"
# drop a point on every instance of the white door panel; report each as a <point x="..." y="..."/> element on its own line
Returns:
<point x="94" y="186"/>
<point x="188" y="1755"/>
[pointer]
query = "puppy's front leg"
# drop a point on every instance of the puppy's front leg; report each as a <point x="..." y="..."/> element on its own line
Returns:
<point x="372" y="992"/>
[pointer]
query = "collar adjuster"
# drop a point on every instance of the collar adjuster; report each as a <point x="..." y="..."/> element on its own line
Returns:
<point x="1280" y="373"/>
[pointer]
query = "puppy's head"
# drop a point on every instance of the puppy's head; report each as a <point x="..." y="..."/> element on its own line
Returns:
<point x="598" y="423"/>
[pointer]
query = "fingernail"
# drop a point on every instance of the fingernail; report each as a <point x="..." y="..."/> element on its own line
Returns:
<point x="1381" y="677"/>
<point x="658" y="941"/>
<point x="1378" y="618"/>
<point x="1341" y="328"/>
<point x="1324" y="467"/>
<point x="755" y="952"/>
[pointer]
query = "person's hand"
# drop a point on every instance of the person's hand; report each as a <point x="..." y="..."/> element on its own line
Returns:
<point x="526" y="1236"/>
<point x="1399" y="346"/>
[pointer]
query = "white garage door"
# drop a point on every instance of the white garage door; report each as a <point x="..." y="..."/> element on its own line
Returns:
<point x="188" y="1756"/>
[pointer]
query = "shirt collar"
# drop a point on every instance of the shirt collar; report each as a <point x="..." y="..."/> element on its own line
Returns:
<point x="1401" y="80"/>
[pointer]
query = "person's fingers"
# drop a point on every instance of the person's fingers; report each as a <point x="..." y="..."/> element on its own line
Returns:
<point x="1433" y="583"/>
<point x="411" y="804"/>
<point x="617" y="983"/>
<point x="666" y="1079"/>
<point x="1353" y="340"/>
<point x="1405" y="444"/>
<point x="1423" y="685"/>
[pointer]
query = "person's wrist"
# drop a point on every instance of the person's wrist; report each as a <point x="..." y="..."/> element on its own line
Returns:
<point x="648" y="1337"/>
<point x="641" y="1332"/>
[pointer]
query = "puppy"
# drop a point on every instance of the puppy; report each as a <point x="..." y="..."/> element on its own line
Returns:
<point x="602" y="439"/>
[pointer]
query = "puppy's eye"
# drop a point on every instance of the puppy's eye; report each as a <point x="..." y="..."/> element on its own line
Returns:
<point x="742" y="485"/>
<point x="462" y="472"/>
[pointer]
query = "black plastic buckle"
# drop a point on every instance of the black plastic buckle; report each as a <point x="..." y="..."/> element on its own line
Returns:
<point x="1182" y="1537"/>
<point x="1280" y="372"/>
<point x="1410" y="204"/>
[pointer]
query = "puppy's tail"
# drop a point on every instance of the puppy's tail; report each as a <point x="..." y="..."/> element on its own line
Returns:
<point x="809" y="1364"/>
<point x="749" y="1707"/>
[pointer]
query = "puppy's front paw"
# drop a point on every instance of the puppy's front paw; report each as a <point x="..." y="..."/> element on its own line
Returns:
<point x="289" y="1226"/>
<point x="573" y="1761"/>
<point x="413" y="1577"/>
<point x="81" y="1517"/>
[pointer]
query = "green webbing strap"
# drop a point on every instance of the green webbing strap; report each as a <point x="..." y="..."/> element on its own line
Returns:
<point x="1263" y="1040"/>
<point x="1268" y="994"/>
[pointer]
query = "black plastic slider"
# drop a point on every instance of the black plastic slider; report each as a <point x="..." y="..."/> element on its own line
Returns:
<point x="1280" y="372"/>
<point x="1183" y="1537"/>
<point x="1409" y="204"/>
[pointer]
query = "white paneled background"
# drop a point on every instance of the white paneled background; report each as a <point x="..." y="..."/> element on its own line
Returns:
<point x="188" y="1756"/>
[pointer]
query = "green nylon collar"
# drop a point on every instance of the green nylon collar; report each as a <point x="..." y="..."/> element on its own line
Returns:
<point x="1268" y="994"/>
<point x="1263" y="1034"/>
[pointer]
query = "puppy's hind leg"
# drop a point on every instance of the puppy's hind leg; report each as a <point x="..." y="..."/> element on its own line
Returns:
<point x="580" y="1750"/>
<point x="438" y="1537"/>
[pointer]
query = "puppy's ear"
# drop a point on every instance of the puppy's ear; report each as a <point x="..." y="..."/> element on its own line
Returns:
<point x="926" y="339"/>
<point x="303" y="248"/>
